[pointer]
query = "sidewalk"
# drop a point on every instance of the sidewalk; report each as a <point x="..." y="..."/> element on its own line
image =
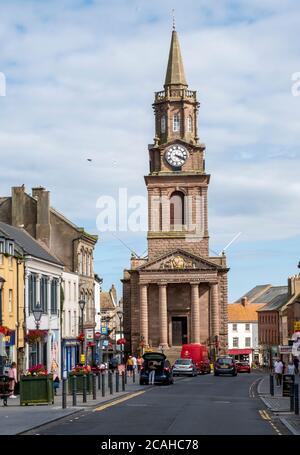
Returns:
<point x="279" y="404"/>
<point x="16" y="419"/>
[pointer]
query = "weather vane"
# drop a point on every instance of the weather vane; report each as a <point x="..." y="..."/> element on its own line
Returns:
<point x="173" y="15"/>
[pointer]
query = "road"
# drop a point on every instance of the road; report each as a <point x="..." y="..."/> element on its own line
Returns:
<point x="204" y="405"/>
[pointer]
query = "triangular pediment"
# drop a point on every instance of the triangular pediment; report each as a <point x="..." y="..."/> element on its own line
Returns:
<point x="180" y="260"/>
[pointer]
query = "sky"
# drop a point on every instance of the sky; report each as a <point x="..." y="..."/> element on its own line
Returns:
<point x="80" y="82"/>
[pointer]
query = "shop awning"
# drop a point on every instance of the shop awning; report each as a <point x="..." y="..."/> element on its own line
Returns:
<point x="239" y="351"/>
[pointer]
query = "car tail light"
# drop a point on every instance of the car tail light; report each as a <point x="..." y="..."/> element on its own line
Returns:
<point x="166" y="369"/>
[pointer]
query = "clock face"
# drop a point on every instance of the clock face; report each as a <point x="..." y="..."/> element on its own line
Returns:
<point x="176" y="155"/>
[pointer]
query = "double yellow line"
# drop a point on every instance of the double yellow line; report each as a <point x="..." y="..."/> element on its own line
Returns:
<point x="264" y="415"/>
<point x="120" y="400"/>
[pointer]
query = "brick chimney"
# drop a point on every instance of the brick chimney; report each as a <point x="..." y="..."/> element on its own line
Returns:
<point x="17" y="205"/>
<point x="43" y="228"/>
<point x="244" y="301"/>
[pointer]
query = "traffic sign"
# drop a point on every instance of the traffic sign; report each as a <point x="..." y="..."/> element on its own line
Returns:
<point x="104" y="330"/>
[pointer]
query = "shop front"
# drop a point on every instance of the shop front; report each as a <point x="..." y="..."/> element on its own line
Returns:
<point x="241" y="355"/>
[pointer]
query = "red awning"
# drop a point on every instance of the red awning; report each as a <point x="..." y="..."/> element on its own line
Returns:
<point x="239" y="351"/>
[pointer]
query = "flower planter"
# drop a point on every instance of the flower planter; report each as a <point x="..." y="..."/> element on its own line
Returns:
<point x="79" y="383"/>
<point x="36" y="390"/>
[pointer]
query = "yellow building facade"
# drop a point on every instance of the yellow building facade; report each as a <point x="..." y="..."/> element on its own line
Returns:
<point x="12" y="301"/>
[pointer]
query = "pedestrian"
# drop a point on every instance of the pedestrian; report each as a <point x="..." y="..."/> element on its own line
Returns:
<point x="296" y="363"/>
<point x="152" y="369"/>
<point x="56" y="384"/>
<point x="291" y="368"/>
<point x="278" y="368"/>
<point x="134" y="360"/>
<point x="129" y="366"/>
<point x="12" y="375"/>
<point x="140" y="362"/>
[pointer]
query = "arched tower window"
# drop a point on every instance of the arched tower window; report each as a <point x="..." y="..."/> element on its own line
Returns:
<point x="177" y="215"/>
<point x="176" y="122"/>
<point x="163" y="124"/>
<point x="190" y="124"/>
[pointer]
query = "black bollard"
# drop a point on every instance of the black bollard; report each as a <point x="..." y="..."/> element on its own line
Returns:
<point x="64" y="393"/>
<point x="110" y="382"/>
<point x="123" y="381"/>
<point x="272" y="384"/>
<point x="99" y="381"/>
<point x="133" y="375"/>
<point x="94" y="388"/>
<point x="292" y="399"/>
<point x="103" y="384"/>
<point x="125" y="376"/>
<point x="74" y="390"/>
<point x="84" y="385"/>
<point x="117" y="381"/>
<point x="296" y="393"/>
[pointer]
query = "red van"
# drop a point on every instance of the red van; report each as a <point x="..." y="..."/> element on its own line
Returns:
<point x="199" y="354"/>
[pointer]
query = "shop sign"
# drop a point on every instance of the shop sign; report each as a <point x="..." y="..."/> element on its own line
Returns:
<point x="297" y="326"/>
<point x="82" y="358"/>
<point x="104" y="330"/>
<point x="285" y="349"/>
<point x="89" y="335"/>
<point x="105" y="343"/>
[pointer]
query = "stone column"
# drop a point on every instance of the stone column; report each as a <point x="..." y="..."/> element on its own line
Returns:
<point x="144" y="313"/>
<point x="215" y="322"/>
<point x="195" y="309"/>
<point x="163" y="315"/>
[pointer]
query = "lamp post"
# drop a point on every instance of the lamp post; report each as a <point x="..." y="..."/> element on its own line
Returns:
<point x="120" y="316"/>
<point x="2" y="281"/>
<point x="37" y="314"/>
<point x="81" y="306"/>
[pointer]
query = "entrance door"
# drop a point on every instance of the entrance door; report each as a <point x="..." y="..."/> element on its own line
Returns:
<point x="179" y="331"/>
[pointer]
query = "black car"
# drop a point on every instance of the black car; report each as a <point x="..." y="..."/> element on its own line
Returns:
<point x="225" y="365"/>
<point x="162" y="367"/>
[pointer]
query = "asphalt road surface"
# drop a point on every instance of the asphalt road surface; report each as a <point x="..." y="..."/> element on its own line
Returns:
<point x="204" y="405"/>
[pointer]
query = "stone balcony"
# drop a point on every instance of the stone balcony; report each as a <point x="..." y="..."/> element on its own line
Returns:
<point x="175" y="93"/>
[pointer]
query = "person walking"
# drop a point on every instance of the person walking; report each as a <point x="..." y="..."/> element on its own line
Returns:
<point x="129" y="366"/>
<point x="296" y="363"/>
<point x="140" y="362"/>
<point x="12" y="375"/>
<point x="152" y="369"/>
<point x="291" y="368"/>
<point x="56" y="384"/>
<point x="278" y="368"/>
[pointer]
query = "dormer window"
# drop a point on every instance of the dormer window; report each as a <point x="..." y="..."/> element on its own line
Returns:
<point x="176" y="122"/>
<point x="190" y="124"/>
<point x="163" y="124"/>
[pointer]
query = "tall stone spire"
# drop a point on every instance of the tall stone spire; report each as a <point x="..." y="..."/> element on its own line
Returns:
<point x="175" y="71"/>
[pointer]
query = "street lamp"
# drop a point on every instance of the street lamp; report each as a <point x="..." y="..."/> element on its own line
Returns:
<point x="2" y="281"/>
<point x="37" y="314"/>
<point x="81" y="306"/>
<point x="120" y="316"/>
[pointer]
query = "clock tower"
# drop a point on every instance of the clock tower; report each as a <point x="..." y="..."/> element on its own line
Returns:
<point x="178" y="293"/>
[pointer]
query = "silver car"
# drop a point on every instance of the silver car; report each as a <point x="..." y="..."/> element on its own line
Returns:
<point x="184" y="367"/>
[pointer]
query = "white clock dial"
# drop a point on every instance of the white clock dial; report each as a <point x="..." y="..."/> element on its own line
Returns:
<point x="176" y="155"/>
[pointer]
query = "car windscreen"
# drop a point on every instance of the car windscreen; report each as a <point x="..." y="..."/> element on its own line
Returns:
<point x="226" y="361"/>
<point x="183" y="362"/>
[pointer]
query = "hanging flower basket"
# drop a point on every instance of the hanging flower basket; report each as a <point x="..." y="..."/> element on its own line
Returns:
<point x="34" y="336"/>
<point x="4" y="330"/>
<point x="122" y="341"/>
<point x="80" y="337"/>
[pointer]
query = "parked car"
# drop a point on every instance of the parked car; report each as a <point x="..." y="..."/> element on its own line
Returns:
<point x="163" y="369"/>
<point x="225" y="365"/>
<point x="243" y="367"/>
<point x="199" y="354"/>
<point x="184" y="367"/>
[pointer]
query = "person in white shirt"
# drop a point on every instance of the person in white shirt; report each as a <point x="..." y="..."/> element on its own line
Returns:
<point x="291" y="368"/>
<point x="278" y="368"/>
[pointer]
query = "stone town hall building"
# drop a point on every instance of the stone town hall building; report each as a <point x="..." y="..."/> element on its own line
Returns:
<point x="178" y="294"/>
